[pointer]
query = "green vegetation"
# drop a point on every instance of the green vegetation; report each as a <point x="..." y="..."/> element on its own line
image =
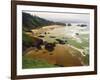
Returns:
<point x="27" y="41"/>
<point x="34" y="63"/>
<point x="32" y="22"/>
<point x="86" y="59"/>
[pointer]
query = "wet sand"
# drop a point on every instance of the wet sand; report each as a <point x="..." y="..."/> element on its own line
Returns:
<point x="62" y="55"/>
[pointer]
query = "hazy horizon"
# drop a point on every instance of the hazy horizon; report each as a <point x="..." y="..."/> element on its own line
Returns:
<point x="62" y="17"/>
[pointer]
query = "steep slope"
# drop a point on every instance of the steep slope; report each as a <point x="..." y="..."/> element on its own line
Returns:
<point x="31" y="22"/>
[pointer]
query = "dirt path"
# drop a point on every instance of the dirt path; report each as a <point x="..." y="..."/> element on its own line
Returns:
<point x="62" y="55"/>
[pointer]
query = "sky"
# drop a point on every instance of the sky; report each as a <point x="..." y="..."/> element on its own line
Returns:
<point x="67" y="17"/>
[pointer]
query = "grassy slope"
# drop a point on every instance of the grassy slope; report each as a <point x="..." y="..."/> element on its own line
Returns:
<point x="34" y="63"/>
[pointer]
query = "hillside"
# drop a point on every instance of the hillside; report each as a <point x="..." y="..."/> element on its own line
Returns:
<point x="32" y="22"/>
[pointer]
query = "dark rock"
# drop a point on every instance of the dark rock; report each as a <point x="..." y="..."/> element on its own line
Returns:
<point x="52" y="36"/>
<point x="60" y="41"/>
<point x="69" y="24"/>
<point x="38" y="43"/>
<point x="49" y="46"/>
<point x="65" y="40"/>
<point x="77" y="33"/>
<point x="59" y="65"/>
<point x="83" y="25"/>
<point x="45" y="42"/>
<point x="41" y="36"/>
<point x="45" y="33"/>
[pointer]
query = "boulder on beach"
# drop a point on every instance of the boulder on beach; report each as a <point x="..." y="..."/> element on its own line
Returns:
<point x="41" y="36"/>
<point x="38" y="43"/>
<point x="49" y="46"/>
<point x="60" y="41"/>
<point x="52" y="37"/>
